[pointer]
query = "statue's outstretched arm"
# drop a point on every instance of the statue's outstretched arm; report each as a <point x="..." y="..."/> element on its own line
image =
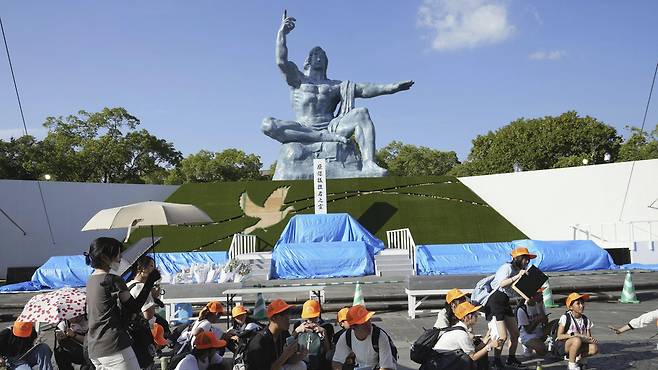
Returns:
<point x="289" y="69"/>
<point x="369" y="90"/>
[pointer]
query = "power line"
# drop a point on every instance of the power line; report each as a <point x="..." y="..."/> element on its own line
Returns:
<point x="20" y="108"/>
<point x="644" y="120"/>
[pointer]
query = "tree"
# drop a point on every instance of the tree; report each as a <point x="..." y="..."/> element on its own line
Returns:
<point x="206" y="166"/>
<point x="409" y="160"/>
<point x="541" y="143"/>
<point x="640" y="145"/>
<point x="21" y="158"/>
<point x="93" y="147"/>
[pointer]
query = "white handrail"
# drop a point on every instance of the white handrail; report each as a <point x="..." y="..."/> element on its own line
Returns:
<point x="242" y="244"/>
<point x="402" y="239"/>
<point x="619" y="233"/>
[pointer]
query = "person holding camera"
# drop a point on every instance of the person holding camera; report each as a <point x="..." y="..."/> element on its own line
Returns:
<point x="109" y="306"/>
<point x="313" y="336"/>
<point x="274" y="348"/>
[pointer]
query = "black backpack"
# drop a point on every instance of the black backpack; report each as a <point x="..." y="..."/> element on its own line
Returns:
<point x="554" y="325"/>
<point x="376" y="331"/>
<point x="240" y="350"/>
<point x="423" y="348"/>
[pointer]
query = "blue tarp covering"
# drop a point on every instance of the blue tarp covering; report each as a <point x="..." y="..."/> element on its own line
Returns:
<point x="638" y="266"/>
<point x="27" y="286"/>
<point x="485" y="258"/>
<point x="332" y="227"/>
<point x="321" y="260"/>
<point x="568" y="255"/>
<point x="331" y="245"/>
<point x="71" y="271"/>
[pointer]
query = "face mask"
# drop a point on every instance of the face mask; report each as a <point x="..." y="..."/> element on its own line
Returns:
<point x="152" y="321"/>
<point x="114" y="266"/>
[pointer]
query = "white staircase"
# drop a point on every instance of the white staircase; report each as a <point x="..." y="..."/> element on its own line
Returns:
<point x="244" y="248"/>
<point x="399" y="257"/>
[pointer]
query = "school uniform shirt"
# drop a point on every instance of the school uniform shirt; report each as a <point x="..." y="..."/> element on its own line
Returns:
<point x="456" y="339"/>
<point x="577" y="325"/>
<point x="190" y="362"/>
<point x="365" y="354"/>
<point x="525" y="319"/>
<point x="504" y="272"/>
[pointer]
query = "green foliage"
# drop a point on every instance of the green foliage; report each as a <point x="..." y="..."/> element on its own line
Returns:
<point x="437" y="209"/>
<point x="640" y="145"/>
<point x="228" y="165"/>
<point x="106" y="147"/>
<point x="21" y="158"/>
<point x="541" y="143"/>
<point x="409" y="160"/>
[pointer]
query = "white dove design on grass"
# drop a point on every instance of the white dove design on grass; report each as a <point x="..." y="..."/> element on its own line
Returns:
<point x="270" y="214"/>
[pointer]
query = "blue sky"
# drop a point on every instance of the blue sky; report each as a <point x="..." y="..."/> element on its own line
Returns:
<point x="202" y="73"/>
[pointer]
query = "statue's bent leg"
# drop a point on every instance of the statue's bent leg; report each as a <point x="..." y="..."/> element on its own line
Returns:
<point x="291" y="131"/>
<point x="358" y="122"/>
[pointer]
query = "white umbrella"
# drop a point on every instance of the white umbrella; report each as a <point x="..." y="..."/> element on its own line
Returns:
<point x="147" y="214"/>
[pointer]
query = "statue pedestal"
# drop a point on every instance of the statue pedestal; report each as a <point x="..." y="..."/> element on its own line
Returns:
<point x="295" y="161"/>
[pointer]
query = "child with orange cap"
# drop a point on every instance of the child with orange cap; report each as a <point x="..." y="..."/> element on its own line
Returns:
<point x="459" y="337"/>
<point x="206" y="346"/>
<point x="313" y="335"/>
<point x="360" y="338"/>
<point x="574" y="334"/>
<point x="274" y="347"/>
<point x="532" y="319"/>
<point x="446" y="317"/>
<point x="498" y="309"/>
<point x="17" y="351"/>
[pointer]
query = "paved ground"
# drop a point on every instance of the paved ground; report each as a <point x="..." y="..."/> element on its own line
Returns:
<point x="631" y="351"/>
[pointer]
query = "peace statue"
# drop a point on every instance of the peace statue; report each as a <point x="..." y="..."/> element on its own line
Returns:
<point x="317" y="131"/>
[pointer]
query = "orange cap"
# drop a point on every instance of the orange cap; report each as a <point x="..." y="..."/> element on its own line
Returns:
<point x="276" y="306"/>
<point x="575" y="296"/>
<point x="464" y="309"/>
<point x="215" y="307"/>
<point x="454" y="294"/>
<point x="238" y="310"/>
<point x="342" y="315"/>
<point x="158" y="335"/>
<point x="22" y="329"/>
<point x="358" y="315"/>
<point x="206" y="339"/>
<point x="311" y="309"/>
<point x="522" y="251"/>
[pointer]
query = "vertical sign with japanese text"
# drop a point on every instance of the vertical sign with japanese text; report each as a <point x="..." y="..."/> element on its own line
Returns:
<point x="320" y="186"/>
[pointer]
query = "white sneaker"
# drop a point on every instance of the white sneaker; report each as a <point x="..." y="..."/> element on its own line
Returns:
<point x="573" y="366"/>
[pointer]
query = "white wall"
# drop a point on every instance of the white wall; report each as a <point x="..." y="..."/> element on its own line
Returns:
<point x="69" y="206"/>
<point x="545" y="204"/>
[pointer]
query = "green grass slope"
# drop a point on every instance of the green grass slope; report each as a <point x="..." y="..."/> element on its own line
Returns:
<point x="437" y="210"/>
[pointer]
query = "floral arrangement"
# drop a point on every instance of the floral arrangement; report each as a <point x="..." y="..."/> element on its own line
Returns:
<point x="244" y="269"/>
<point x="232" y="265"/>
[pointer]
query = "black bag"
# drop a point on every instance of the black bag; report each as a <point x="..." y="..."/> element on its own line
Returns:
<point x="423" y="348"/>
<point x="554" y="325"/>
<point x="240" y="351"/>
<point x="376" y="331"/>
<point x="143" y="345"/>
<point x="449" y="360"/>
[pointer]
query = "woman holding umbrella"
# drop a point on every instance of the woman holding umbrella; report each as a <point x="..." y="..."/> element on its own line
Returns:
<point x="108" y="342"/>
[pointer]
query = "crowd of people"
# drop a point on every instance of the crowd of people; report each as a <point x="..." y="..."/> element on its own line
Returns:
<point x="121" y="330"/>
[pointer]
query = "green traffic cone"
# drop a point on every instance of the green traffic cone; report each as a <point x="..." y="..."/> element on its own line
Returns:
<point x="358" y="295"/>
<point x="260" y="311"/>
<point x="539" y="367"/>
<point x="628" y="293"/>
<point x="547" y="295"/>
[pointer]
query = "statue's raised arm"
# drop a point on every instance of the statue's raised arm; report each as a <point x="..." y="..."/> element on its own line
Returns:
<point x="289" y="69"/>
<point x="370" y="90"/>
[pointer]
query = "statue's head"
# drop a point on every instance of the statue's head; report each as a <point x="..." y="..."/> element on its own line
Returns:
<point x="316" y="60"/>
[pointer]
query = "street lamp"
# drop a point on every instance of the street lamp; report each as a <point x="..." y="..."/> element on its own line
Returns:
<point x="585" y="161"/>
<point x="47" y="177"/>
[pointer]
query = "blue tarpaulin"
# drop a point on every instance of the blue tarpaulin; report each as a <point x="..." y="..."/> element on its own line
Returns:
<point x="332" y="227"/>
<point x="485" y="258"/>
<point x="321" y="260"/>
<point x="26" y="286"/>
<point x="568" y="255"/>
<point x="331" y="245"/>
<point x="72" y="271"/>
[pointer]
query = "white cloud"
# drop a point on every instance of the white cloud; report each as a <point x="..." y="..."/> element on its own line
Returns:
<point x="548" y="55"/>
<point x="8" y="133"/>
<point x="459" y="24"/>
